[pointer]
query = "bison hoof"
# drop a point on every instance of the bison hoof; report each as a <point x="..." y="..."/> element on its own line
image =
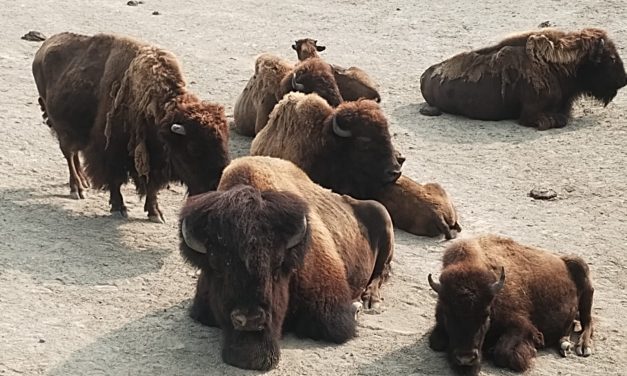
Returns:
<point x="119" y="214"/>
<point x="566" y="347"/>
<point x="156" y="218"/>
<point x="77" y="195"/>
<point x="357" y="308"/>
<point x="584" y="351"/>
<point x="429" y="110"/>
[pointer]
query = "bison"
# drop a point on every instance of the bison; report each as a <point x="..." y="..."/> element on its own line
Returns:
<point x="123" y="104"/>
<point x="279" y="253"/>
<point x="420" y="209"/>
<point x="353" y="82"/>
<point x="347" y="149"/>
<point x="275" y="77"/>
<point x="534" y="77"/>
<point x="479" y="309"/>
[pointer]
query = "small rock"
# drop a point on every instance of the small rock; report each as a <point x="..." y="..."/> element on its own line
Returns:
<point x="41" y="340"/>
<point x="569" y="189"/>
<point x="34" y="36"/>
<point x="132" y="3"/>
<point x="156" y="13"/>
<point x="545" y="24"/>
<point x="543" y="194"/>
<point x="398" y="8"/>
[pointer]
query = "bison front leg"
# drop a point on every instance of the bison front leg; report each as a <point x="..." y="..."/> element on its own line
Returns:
<point x="517" y="346"/>
<point x="117" y="201"/>
<point x="152" y="206"/>
<point x="332" y="320"/>
<point x="81" y="173"/>
<point x="438" y="338"/>
<point x="250" y="350"/>
<point x="542" y="119"/>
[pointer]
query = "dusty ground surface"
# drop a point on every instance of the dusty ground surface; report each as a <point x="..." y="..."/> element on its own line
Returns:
<point x="84" y="294"/>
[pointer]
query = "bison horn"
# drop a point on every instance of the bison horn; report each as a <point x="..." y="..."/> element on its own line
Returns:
<point x="338" y="130"/>
<point x="295" y="85"/>
<point x="298" y="237"/>
<point x="498" y="285"/>
<point x="434" y="285"/>
<point x="190" y="240"/>
<point x="178" y="129"/>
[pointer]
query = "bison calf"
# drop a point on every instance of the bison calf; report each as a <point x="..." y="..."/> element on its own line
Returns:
<point x="498" y="296"/>
<point x="420" y="209"/>
<point x="278" y="252"/>
<point x="123" y="104"/>
<point x="534" y="77"/>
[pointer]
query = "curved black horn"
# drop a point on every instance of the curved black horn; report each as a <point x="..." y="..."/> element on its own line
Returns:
<point x="338" y="130"/>
<point x="298" y="237"/>
<point x="190" y="240"/>
<point x="498" y="285"/>
<point x="434" y="285"/>
<point x="295" y="85"/>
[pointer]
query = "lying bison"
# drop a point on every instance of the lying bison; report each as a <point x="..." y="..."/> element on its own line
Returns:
<point x="275" y="77"/>
<point x="353" y="82"/>
<point x="347" y="149"/>
<point x="534" y="77"/>
<point x="508" y="299"/>
<point x="420" y="209"/>
<point x="124" y="105"/>
<point x="279" y="253"/>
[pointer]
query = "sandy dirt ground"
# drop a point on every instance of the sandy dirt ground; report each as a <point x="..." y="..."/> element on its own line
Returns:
<point x="85" y="294"/>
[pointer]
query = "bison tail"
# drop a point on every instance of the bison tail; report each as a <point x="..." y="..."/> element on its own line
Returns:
<point x="44" y="113"/>
<point x="580" y="274"/>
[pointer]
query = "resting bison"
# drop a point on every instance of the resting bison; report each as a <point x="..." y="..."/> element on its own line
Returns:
<point x="353" y="82"/>
<point x="479" y="308"/>
<point x="346" y="149"/>
<point x="534" y="77"/>
<point x="279" y="253"/>
<point x="420" y="209"/>
<point x="124" y="105"/>
<point x="275" y="77"/>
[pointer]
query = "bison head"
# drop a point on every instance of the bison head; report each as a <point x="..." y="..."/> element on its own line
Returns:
<point x="364" y="155"/>
<point x="465" y="297"/>
<point x="312" y="76"/>
<point x="196" y="137"/>
<point x="248" y="245"/>
<point x="603" y="73"/>
<point x="306" y="48"/>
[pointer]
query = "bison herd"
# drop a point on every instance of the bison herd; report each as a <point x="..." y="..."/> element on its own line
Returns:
<point x="299" y="236"/>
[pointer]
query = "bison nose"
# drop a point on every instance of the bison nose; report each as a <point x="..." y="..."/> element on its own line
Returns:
<point x="253" y="320"/>
<point x="467" y="358"/>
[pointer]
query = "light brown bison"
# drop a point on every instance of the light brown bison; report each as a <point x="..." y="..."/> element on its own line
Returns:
<point x="420" y="209"/>
<point x="354" y="83"/>
<point x="274" y="77"/>
<point x="534" y="77"/>
<point x="501" y="297"/>
<point x="124" y="105"/>
<point x="347" y="149"/>
<point x="279" y="253"/>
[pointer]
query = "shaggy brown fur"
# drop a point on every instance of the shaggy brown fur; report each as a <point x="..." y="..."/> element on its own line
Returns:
<point x="534" y="77"/>
<point x="420" y="209"/>
<point x="278" y="252"/>
<point x="300" y="129"/>
<point x="534" y="305"/>
<point x="124" y="105"/>
<point x="275" y="77"/>
<point x="353" y="82"/>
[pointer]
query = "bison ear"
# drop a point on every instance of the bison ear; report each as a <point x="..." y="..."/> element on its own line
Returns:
<point x="320" y="48"/>
<point x="178" y="129"/>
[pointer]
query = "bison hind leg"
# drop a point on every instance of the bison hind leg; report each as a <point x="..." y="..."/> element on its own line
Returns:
<point x="335" y="323"/>
<point x="428" y="110"/>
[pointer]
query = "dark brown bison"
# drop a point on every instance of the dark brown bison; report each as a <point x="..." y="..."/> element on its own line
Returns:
<point x="420" y="209"/>
<point x="124" y="105"/>
<point x="507" y="299"/>
<point x="279" y="253"/>
<point x="353" y="82"/>
<point x="347" y="149"/>
<point x="275" y="77"/>
<point x="534" y="77"/>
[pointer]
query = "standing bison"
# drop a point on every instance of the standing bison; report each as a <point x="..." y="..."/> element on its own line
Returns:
<point x="509" y="299"/>
<point x="534" y="77"/>
<point x="124" y="105"/>
<point x="347" y="149"/>
<point x="278" y="252"/>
